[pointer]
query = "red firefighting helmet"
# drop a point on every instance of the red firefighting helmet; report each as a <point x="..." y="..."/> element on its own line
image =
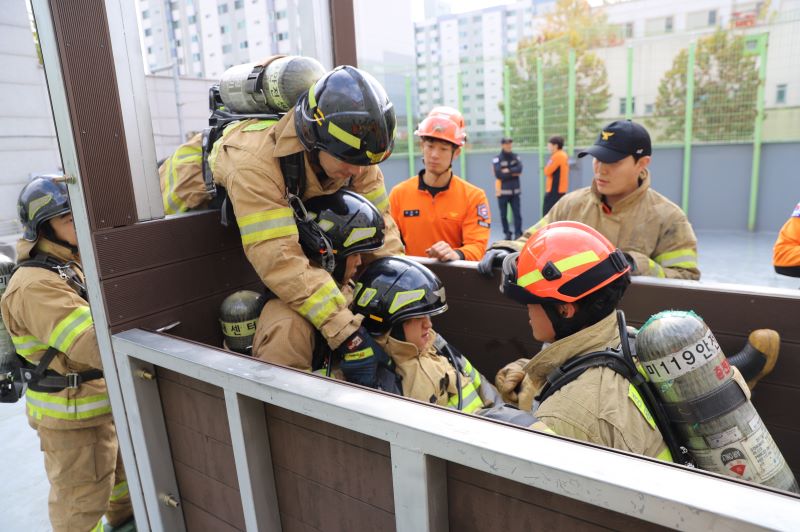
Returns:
<point x="562" y="262"/>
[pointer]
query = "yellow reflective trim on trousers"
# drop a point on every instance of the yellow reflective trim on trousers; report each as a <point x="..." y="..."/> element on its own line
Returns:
<point x="322" y="304"/>
<point x="41" y="404"/>
<point x="266" y="225"/>
<point x="378" y="197"/>
<point x="260" y="125"/>
<point x="68" y="329"/>
<point x="563" y="265"/>
<point x="119" y="491"/>
<point x="27" y="345"/>
<point x="633" y="395"/>
<point x="656" y="269"/>
<point x="344" y="136"/>
<point x="679" y="258"/>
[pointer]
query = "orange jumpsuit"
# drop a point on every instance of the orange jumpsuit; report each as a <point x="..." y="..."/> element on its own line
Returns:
<point x="458" y="215"/>
<point x="786" y="254"/>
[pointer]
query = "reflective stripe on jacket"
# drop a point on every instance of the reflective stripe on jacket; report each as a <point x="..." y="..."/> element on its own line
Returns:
<point x="650" y="228"/>
<point x="247" y="164"/>
<point x="40" y="309"/>
<point x="181" y="178"/>
<point x="557" y="169"/>
<point x="458" y="215"/>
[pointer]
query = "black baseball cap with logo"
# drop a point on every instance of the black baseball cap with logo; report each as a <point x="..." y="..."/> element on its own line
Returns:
<point x="618" y="140"/>
<point x="506" y="140"/>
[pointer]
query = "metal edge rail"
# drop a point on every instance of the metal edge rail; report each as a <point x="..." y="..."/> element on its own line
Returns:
<point x="421" y="437"/>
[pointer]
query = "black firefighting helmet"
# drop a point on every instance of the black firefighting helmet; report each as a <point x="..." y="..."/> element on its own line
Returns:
<point x="40" y="200"/>
<point x="351" y="224"/>
<point x="347" y="113"/>
<point x="394" y="289"/>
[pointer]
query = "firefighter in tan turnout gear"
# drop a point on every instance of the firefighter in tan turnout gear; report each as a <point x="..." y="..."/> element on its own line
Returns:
<point x="653" y="232"/>
<point x="46" y="312"/>
<point x="335" y="136"/>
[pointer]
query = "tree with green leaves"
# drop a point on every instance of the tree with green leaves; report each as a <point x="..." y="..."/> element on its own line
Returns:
<point x="570" y="25"/>
<point x="725" y="91"/>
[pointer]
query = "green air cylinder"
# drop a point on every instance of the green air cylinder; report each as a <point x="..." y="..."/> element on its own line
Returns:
<point x="7" y="351"/>
<point x="253" y="88"/>
<point x="710" y="410"/>
<point x="238" y="316"/>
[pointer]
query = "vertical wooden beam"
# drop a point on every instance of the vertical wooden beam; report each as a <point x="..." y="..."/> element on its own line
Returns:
<point x="343" y="31"/>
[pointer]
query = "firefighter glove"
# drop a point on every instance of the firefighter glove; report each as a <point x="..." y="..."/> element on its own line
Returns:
<point x="509" y="380"/>
<point x="492" y="259"/>
<point x="361" y="357"/>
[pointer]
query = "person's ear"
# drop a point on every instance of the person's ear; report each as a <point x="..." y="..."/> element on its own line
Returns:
<point x="456" y="152"/>
<point x="644" y="162"/>
<point x="567" y="310"/>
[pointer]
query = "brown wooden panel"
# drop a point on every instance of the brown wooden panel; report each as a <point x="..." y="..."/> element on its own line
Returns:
<point x="350" y="470"/>
<point x="213" y="496"/>
<point x="335" y="432"/>
<point x="322" y="508"/>
<point x="479" y="501"/>
<point x="343" y="32"/>
<point x="195" y="409"/>
<point x="290" y="524"/>
<point x="788" y="441"/>
<point x="87" y="65"/>
<point x="198" y="520"/>
<point x="148" y="292"/>
<point x="203" y="454"/>
<point x="194" y="384"/>
<point x="155" y="243"/>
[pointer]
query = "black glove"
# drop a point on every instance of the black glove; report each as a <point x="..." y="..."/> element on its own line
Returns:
<point x="492" y="259"/>
<point x="361" y="357"/>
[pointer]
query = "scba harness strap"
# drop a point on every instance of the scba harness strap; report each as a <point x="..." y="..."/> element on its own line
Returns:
<point x="38" y="377"/>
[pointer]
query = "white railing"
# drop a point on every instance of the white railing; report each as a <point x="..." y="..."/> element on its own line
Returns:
<point x="421" y="438"/>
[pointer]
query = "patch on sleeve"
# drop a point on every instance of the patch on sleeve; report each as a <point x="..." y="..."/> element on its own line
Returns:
<point x="796" y="212"/>
<point x="496" y="160"/>
<point x="411" y="213"/>
<point x="483" y="211"/>
<point x="487" y="225"/>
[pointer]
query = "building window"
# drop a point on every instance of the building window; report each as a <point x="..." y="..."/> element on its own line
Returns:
<point x="177" y="42"/>
<point x="224" y="29"/>
<point x="280" y="14"/>
<point x="240" y="25"/>
<point x="195" y="38"/>
<point x="149" y="50"/>
<point x="222" y="9"/>
<point x="629" y="30"/>
<point x="238" y="4"/>
<point x="148" y="32"/>
<point x="195" y="57"/>
<point x="622" y="102"/>
<point x="668" y="24"/>
<point x="145" y="14"/>
<point x="226" y="48"/>
<point x="176" y="24"/>
<point x="283" y="36"/>
<point x="712" y="17"/>
<point x="780" y="94"/>
<point x="243" y="45"/>
<point x="192" y="19"/>
<point x="648" y="108"/>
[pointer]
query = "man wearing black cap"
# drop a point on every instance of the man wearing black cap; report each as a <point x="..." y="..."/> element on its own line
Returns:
<point x="653" y="232"/>
<point x="507" y="169"/>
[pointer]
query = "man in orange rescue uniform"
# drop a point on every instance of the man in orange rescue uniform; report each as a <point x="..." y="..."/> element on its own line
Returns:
<point x="786" y="253"/>
<point x="439" y="214"/>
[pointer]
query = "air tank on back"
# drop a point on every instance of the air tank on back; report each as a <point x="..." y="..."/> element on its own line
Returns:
<point x="238" y="315"/>
<point x="256" y="88"/>
<point x="710" y="410"/>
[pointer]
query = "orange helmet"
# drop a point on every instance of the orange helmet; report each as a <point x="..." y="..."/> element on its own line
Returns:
<point x="447" y="125"/>
<point x="562" y="262"/>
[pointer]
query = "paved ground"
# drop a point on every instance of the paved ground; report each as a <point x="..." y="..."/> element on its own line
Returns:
<point x="729" y="257"/>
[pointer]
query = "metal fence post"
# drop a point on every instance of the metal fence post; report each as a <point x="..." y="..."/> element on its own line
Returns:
<point x="462" y="159"/>
<point x="571" y="97"/>
<point x="754" y="173"/>
<point x="409" y="127"/>
<point x="540" y="132"/>
<point x="687" y="129"/>
<point x="509" y="214"/>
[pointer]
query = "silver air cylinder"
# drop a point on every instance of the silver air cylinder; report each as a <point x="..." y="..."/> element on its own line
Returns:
<point x="253" y="88"/>
<point x="710" y="410"/>
<point x="7" y="351"/>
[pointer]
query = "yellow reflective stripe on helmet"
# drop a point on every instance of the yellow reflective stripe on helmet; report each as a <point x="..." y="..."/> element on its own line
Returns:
<point x="358" y="234"/>
<point x="680" y="258"/>
<point x="633" y="395"/>
<point x="312" y="98"/>
<point x="27" y="345"/>
<point x="41" y="404"/>
<point x="563" y="265"/>
<point x="266" y="225"/>
<point x="119" y="491"/>
<point x="378" y="197"/>
<point x="375" y="158"/>
<point x="68" y="329"/>
<point x="260" y="125"/>
<point x="322" y="304"/>
<point x="405" y="298"/>
<point x="366" y="297"/>
<point x="344" y="136"/>
<point x="656" y="269"/>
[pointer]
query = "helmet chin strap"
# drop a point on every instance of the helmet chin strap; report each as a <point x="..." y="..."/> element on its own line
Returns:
<point x="49" y="234"/>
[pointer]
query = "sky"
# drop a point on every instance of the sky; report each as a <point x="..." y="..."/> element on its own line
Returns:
<point x="461" y="6"/>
